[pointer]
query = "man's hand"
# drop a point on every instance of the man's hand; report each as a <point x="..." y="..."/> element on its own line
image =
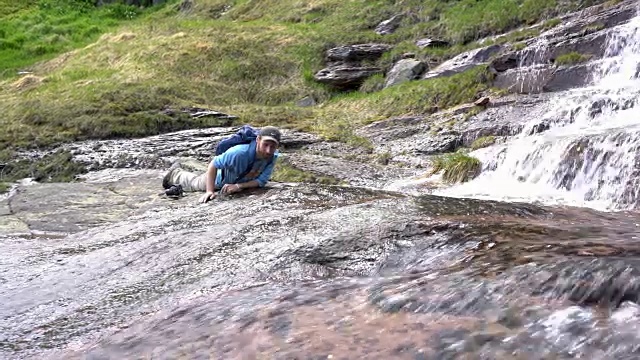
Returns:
<point x="230" y="188"/>
<point x="206" y="197"/>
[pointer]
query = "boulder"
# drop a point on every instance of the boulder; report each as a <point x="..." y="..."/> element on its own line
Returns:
<point x="346" y="77"/>
<point x="463" y="62"/>
<point x="357" y="52"/>
<point x="404" y="70"/>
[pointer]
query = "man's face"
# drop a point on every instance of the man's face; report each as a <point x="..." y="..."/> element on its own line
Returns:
<point x="266" y="147"/>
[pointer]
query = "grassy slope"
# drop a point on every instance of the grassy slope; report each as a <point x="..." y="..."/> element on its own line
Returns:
<point x="100" y="73"/>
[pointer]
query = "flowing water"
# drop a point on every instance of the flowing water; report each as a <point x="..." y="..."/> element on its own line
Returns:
<point x="589" y="154"/>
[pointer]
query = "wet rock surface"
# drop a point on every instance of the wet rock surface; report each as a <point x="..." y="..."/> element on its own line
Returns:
<point x="317" y="271"/>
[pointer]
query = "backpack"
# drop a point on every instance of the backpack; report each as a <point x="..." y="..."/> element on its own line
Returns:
<point x="245" y="135"/>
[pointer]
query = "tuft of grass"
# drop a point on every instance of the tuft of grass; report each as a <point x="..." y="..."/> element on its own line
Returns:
<point x="456" y="167"/>
<point x="551" y="23"/>
<point x="482" y="142"/>
<point x="285" y="172"/>
<point x="571" y="58"/>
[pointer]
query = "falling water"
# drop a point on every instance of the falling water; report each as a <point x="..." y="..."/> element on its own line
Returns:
<point x="590" y="155"/>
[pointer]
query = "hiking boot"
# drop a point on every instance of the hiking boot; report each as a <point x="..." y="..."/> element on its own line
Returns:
<point x="174" y="191"/>
<point x="166" y="180"/>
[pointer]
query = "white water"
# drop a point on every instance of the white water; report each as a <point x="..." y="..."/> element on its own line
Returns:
<point x="604" y="147"/>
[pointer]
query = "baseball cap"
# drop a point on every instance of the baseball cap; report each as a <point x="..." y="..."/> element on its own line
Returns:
<point x="270" y="133"/>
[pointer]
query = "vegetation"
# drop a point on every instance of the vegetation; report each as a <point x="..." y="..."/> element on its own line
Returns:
<point x="72" y="71"/>
<point x="285" y="172"/>
<point x="482" y="142"/>
<point x="456" y="167"/>
<point x="55" y="167"/>
<point x="571" y="58"/>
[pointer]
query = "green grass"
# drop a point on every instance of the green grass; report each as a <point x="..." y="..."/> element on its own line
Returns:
<point x="456" y="167"/>
<point x="285" y="172"/>
<point x="41" y="29"/>
<point x="4" y="187"/>
<point x="571" y="58"/>
<point x="482" y="142"/>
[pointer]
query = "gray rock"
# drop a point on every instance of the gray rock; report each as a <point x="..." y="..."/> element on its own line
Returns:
<point x="307" y="101"/>
<point x="544" y="78"/>
<point x="427" y="42"/>
<point x="154" y="152"/>
<point x="346" y="76"/>
<point x="357" y="52"/>
<point x="463" y="62"/>
<point x="599" y="16"/>
<point x="404" y="70"/>
<point x="352" y="172"/>
<point x="390" y="25"/>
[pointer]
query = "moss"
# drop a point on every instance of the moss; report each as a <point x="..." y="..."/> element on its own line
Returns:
<point x="551" y="23"/>
<point x="519" y="46"/>
<point x="456" y="167"/>
<point x="571" y="58"/>
<point x="55" y="167"/>
<point x="285" y="172"/>
<point x="482" y="142"/>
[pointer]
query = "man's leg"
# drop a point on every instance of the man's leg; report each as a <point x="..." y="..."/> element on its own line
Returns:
<point x="189" y="181"/>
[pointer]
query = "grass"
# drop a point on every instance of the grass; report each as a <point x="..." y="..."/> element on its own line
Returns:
<point x="285" y="172"/>
<point x="41" y="29"/>
<point x="456" y="167"/>
<point x="482" y="142"/>
<point x="4" y="187"/>
<point x="571" y="58"/>
<point x="109" y="72"/>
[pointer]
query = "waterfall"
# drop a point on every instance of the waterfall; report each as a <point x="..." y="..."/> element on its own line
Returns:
<point x="590" y="154"/>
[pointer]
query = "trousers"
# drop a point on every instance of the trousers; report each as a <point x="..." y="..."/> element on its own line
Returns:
<point x="191" y="182"/>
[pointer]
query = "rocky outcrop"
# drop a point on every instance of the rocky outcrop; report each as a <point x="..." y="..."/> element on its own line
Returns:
<point x="345" y="69"/>
<point x="463" y="62"/>
<point x="536" y="79"/>
<point x="357" y="52"/>
<point x="534" y="68"/>
<point x="155" y="152"/>
<point x="345" y="76"/>
<point x="427" y="42"/>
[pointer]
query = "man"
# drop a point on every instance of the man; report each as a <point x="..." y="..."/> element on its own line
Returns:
<point x="240" y="167"/>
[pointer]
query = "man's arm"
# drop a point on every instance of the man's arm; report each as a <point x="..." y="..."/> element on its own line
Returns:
<point x="210" y="183"/>
<point x="261" y="181"/>
<point x="212" y="173"/>
<point x="265" y="175"/>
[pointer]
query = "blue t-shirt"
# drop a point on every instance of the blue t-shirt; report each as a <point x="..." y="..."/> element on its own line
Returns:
<point x="237" y="159"/>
